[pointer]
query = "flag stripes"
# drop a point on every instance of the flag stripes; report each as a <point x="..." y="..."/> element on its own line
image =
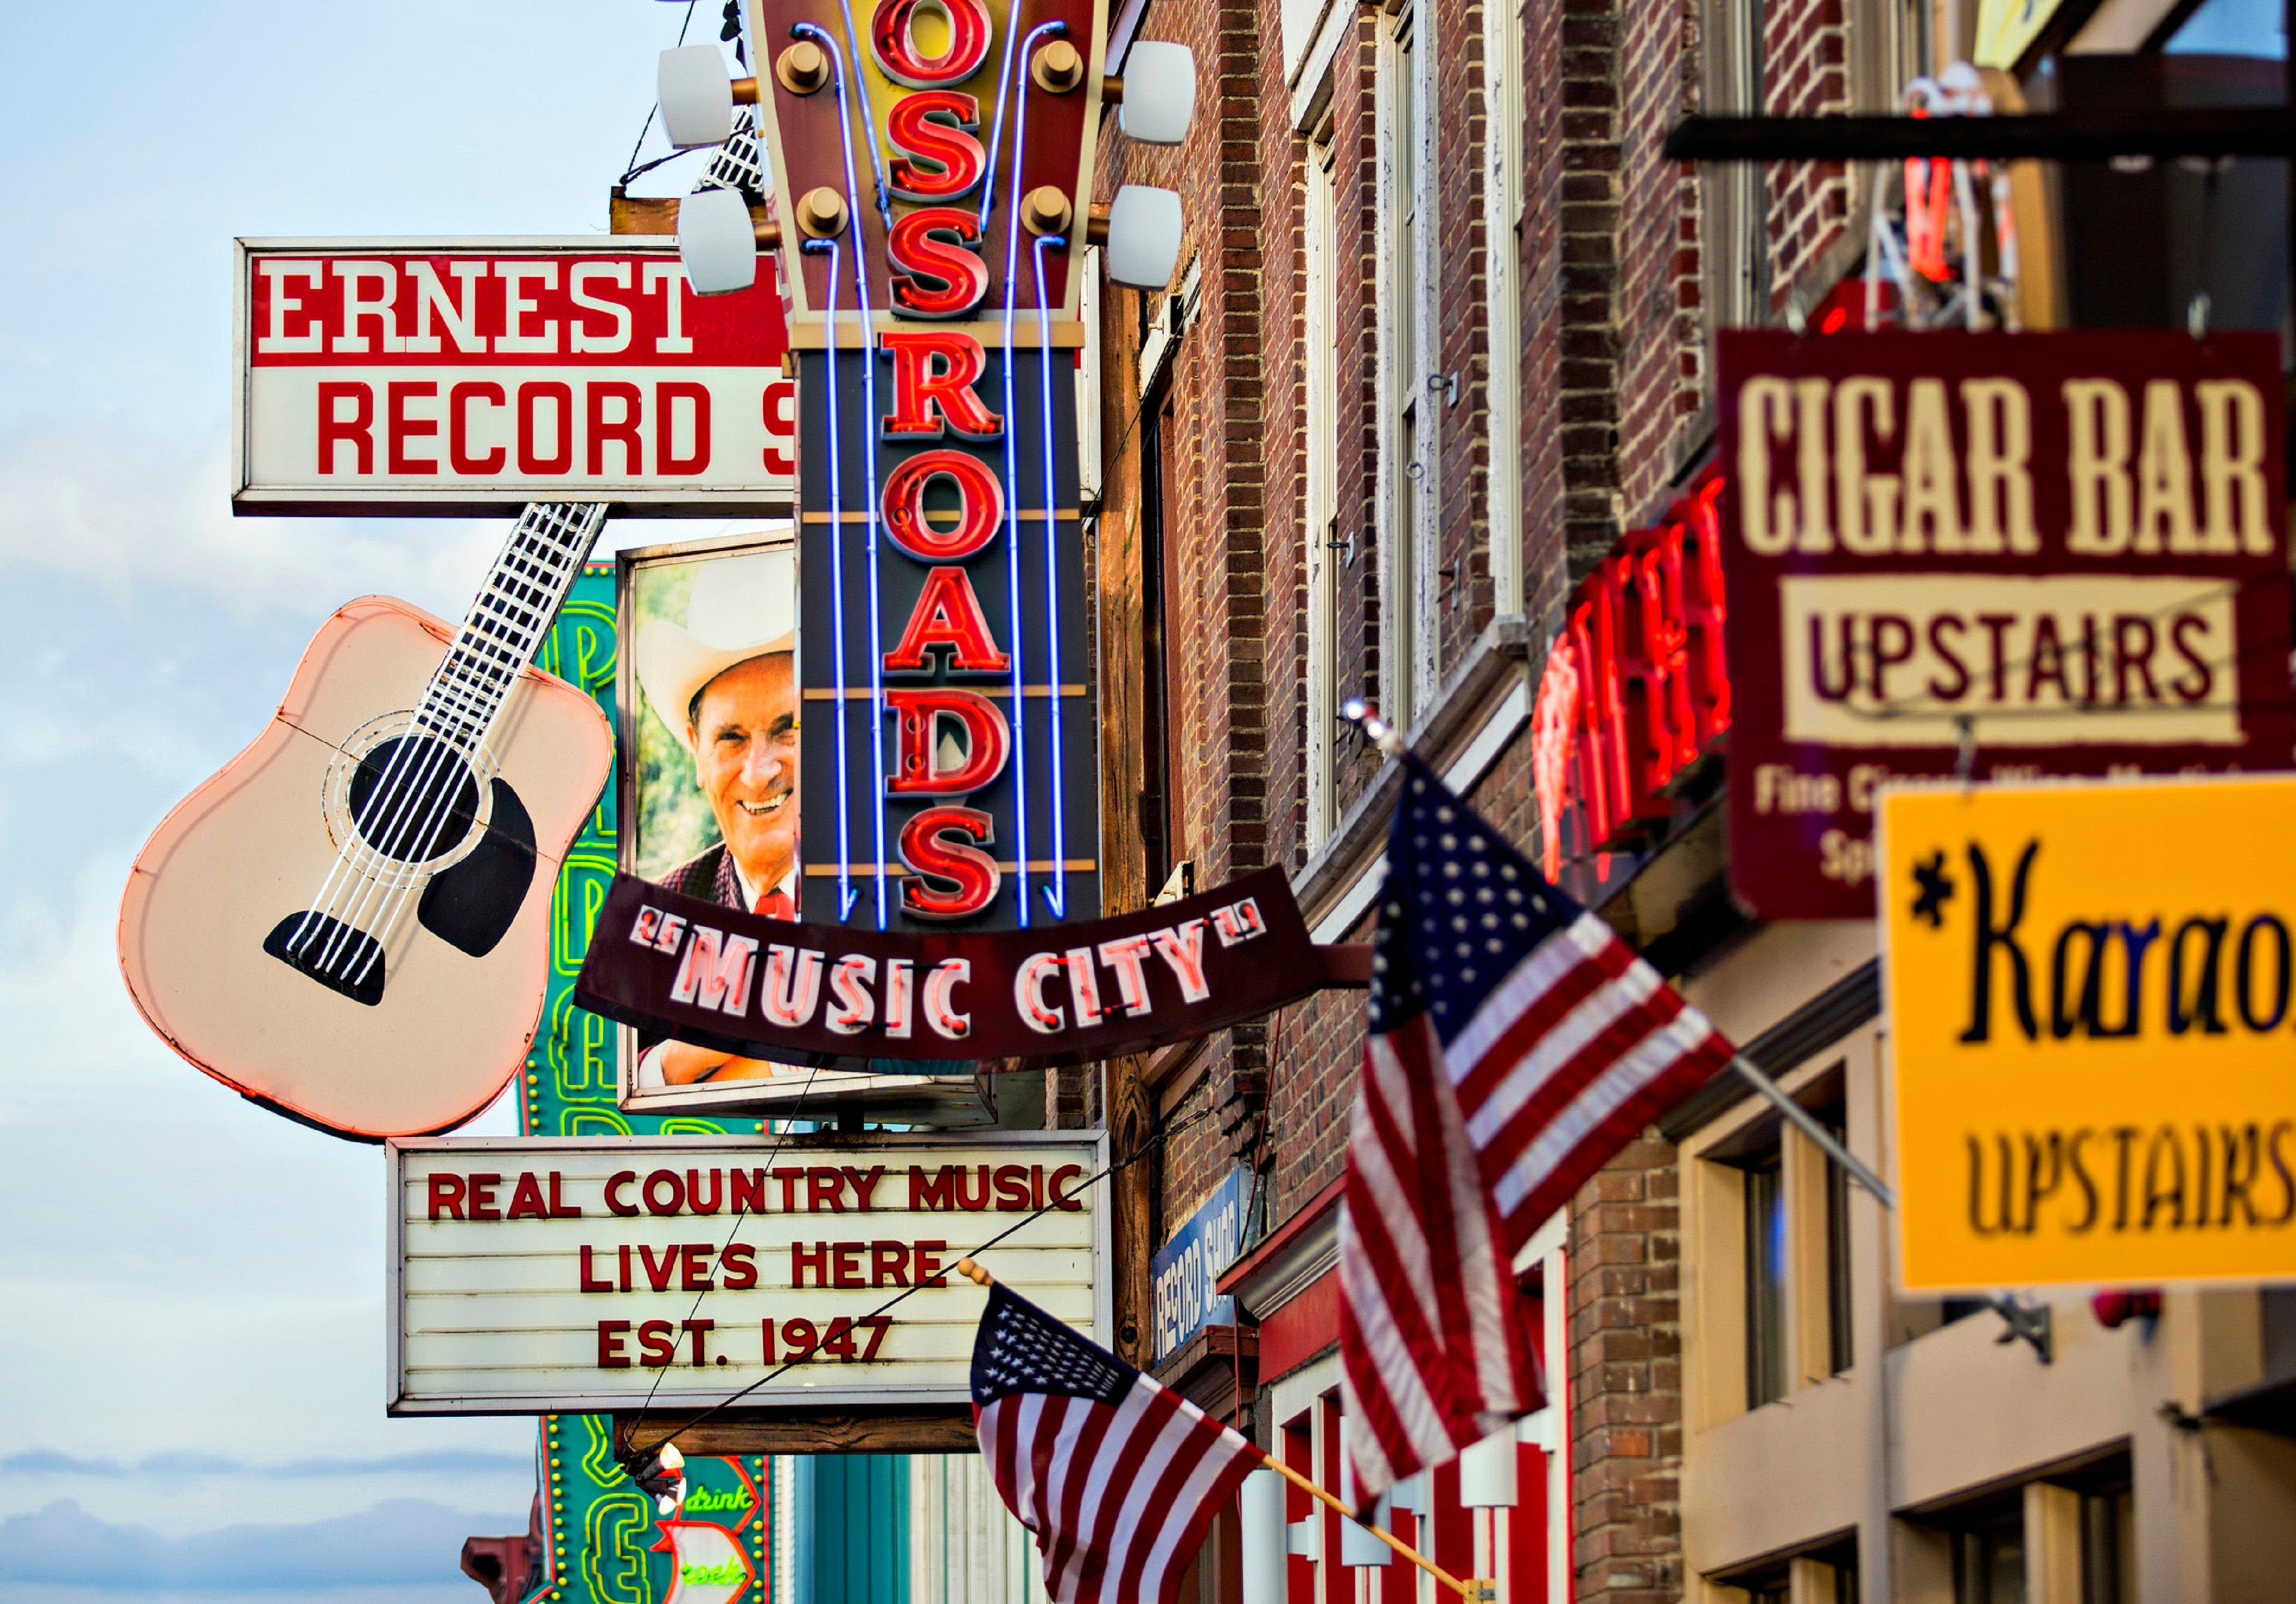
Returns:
<point x="1515" y="1046"/>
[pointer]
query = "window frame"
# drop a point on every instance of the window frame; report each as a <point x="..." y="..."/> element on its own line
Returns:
<point x="1408" y="439"/>
<point x="1319" y="533"/>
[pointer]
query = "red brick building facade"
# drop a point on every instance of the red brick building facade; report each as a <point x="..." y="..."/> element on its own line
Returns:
<point x="1441" y="335"/>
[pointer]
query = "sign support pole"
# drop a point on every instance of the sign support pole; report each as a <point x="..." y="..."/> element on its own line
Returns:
<point x="1806" y="1124"/>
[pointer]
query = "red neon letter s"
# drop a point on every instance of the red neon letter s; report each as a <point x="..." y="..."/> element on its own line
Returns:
<point x="934" y="372"/>
<point x="932" y="854"/>
<point x="948" y="614"/>
<point x="938" y="272"/>
<point x="935" y="127"/>
<point x="892" y="37"/>
<point x="917" y="770"/>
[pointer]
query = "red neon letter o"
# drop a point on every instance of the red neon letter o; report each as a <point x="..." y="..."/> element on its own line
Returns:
<point x="890" y="35"/>
<point x="979" y="499"/>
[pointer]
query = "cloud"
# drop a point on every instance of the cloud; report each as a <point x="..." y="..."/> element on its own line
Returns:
<point x="187" y="1464"/>
<point x="398" y="1542"/>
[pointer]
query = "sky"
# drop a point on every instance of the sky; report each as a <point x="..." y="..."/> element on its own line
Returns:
<point x="191" y="1320"/>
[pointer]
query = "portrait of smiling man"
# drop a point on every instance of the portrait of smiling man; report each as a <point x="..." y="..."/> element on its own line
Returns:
<point x="719" y="675"/>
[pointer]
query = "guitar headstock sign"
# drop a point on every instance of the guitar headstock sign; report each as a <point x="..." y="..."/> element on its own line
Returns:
<point x="932" y="171"/>
<point x="929" y="177"/>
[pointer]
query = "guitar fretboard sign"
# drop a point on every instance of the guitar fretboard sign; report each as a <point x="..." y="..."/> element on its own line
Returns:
<point x="473" y="375"/>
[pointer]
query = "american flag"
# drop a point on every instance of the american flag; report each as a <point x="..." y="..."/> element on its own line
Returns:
<point x="1117" y="1477"/>
<point x="1515" y="1046"/>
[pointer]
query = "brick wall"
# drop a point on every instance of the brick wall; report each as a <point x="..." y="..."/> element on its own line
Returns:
<point x="1805" y="61"/>
<point x="1626" y="1381"/>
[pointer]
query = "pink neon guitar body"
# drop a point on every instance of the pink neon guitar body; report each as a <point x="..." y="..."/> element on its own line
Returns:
<point x="361" y="948"/>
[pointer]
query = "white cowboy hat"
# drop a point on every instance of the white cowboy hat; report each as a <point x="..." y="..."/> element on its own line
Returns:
<point x="741" y="607"/>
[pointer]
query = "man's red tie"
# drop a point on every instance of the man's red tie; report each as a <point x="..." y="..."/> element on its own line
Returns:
<point x="777" y="905"/>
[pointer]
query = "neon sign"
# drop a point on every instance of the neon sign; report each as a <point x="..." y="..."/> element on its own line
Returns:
<point x="1635" y="688"/>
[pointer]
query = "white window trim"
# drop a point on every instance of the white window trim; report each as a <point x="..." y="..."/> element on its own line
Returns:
<point x="1504" y="110"/>
<point x="1319" y="212"/>
<point x="1409" y="666"/>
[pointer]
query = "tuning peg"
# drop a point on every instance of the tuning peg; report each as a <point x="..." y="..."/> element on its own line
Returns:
<point x="1157" y="92"/>
<point x="718" y="242"/>
<point x="1144" y="237"/>
<point x="697" y="98"/>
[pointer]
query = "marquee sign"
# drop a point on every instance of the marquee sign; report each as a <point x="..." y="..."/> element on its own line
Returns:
<point x="467" y="375"/>
<point x="541" y="1275"/>
<point x="2027" y="554"/>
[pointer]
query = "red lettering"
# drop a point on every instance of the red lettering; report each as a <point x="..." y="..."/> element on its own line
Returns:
<point x="482" y="1197"/>
<point x="928" y="1271"/>
<point x="651" y="1192"/>
<point x="916" y="768"/>
<point x="892" y="35"/>
<point x="948" y="614"/>
<point x="657" y="1346"/>
<point x="815" y="1259"/>
<point x="560" y="1209"/>
<point x="694" y="1267"/>
<point x="458" y="427"/>
<point x="658" y="1270"/>
<point x="593" y="1283"/>
<point x="526" y="1202"/>
<point x="614" y="1185"/>
<point x="561" y="400"/>
<point x="936" y="128"/>
<point x="935" y="253"/>
<point x="979" y="506"/>
<point x="934" y="372"/>
<point x="1012" y="1189"/>
<point x="739" y="1265"/>
<point x="357" y="430"/>
<point x="623" y="430"/>
<point x="779" y="406"/>
<point x="698" y="1329"/>
<point x="888" y="1264"/>
<point x="1060" y="1188"/>
<point x="824" y="1188"/>
<point x="845" y="1265"/>
<point x="402" y="427"/>
<point x="447" y="1193"/>
<point x="949" y="879"/>
<point x="666" y="398"/>
<point x="610" y="1356"/>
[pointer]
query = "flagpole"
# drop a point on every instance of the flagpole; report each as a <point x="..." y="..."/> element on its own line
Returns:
<point x="1474" y="1592"/>
<point x="1807" y="1124"/>
<point x="1382" y="734"/>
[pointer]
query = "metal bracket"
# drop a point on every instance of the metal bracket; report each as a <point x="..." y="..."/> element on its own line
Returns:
<point x="2027" y="1323"/>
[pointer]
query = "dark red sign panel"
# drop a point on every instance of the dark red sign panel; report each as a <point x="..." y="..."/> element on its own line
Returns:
<point x="767" y="988"/>
<point x="2008" y="555"/>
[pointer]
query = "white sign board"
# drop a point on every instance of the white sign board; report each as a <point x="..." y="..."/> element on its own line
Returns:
<point x="398" y="376"/>
<point x="567" y="1275"/>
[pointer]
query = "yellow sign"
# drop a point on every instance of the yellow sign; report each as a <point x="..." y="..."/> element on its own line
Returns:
<point x="2089" y="1008"/>
<point x="2006" y="29"/>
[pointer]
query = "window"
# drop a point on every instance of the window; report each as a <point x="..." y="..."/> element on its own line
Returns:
<point x="1988" y="1557"/>
<point x="1736" y="194"/>
<point x="1155" y="569"/>
<point x="1502" y="192"/>
<point x="1839" y="1342"/>
<point x="1767" y="1269"/>
<point x="2108" y="1519"/>
<point x="1326" y="551"/>
<point x="1782" y="1211"/>
<point x="1408" y="591"/>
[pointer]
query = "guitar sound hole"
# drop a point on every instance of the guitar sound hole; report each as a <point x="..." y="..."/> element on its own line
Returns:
<point x="413" y="797"/>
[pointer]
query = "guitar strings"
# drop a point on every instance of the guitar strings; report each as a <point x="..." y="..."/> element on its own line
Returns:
<point x="552" y="550"/>
<point x="399" y="831"/>
<point x="371" y="856"/>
